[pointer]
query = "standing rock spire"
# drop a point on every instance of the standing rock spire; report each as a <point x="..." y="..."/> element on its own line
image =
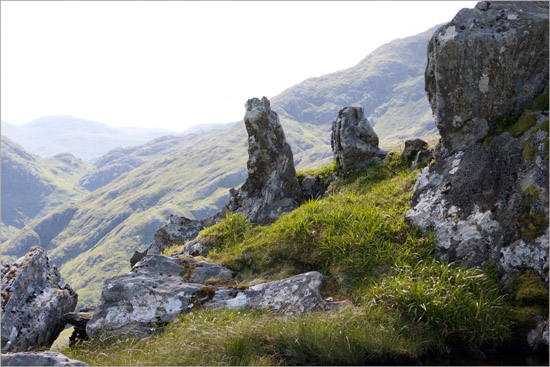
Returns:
<point x="272" y="185"/>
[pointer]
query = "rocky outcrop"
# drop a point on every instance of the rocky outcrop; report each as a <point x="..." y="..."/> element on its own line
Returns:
<point x="270" y="190"/>
<point x="156" y="290"/>
<point x="538" y="337"/>
<point x="159" y="288"/>
<point x="485" y="63"/>
<point x="272" y="186"/>
<point x="34" y="300"/>
<point x="354" y="142"/>
<point x="39" y="359"/>
<point x="486" y="195"/>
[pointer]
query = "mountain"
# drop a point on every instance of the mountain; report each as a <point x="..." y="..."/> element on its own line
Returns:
<point x="136" y="189"/>
<point x="88" y="140"/>
<point x="186" y="175"/>
<point x="388" y="84"/>
<point x="32" y="186"/>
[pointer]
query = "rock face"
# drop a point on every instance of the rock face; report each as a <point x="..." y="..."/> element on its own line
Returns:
<point x="485" y="63"/>
<point x="39" y="359"/>
<point x="272" y="185"/>
<point x="354" y="142"/>
<point x="159" y="288"/>
<point x="34" y="300"/>
<point x="487" y="201"/>
<point x="538" y="337"/>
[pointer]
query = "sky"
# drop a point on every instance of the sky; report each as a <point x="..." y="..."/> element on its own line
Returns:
<point x="177" y="64"/>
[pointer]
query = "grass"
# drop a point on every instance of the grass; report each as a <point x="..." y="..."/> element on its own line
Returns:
<point x="407" y="304"/>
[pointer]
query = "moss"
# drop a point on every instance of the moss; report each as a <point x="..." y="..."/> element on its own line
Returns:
<point x="219" y="282"/>
<point x="524" y="317"/>
<point x="5" y="299"/>
<point x="533" y="224"/>
<point x="530" y="289"/>
<point x="531" y="193"/>
<point x="186" y="274"/>
<point x="504" y="122"/>
<point x="524" y="123"/>
<point x="539" y="103"/>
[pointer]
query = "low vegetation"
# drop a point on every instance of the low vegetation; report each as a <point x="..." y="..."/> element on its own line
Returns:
<point x="407" y="303"/>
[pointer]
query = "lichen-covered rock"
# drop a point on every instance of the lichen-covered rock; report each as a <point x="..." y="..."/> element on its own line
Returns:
<point x="412" y="147"/>
<point x="300" y="293"/>
<point x="34" y="300"/>
<point x="354" y="142"/>
<point x="156" y="290"/>
<point x="179" y="230"/>
<point x="487" y="201"/>
<point x="485" y="63"/>
<point x="39" y="359"/>
<point x="272" y="186"/>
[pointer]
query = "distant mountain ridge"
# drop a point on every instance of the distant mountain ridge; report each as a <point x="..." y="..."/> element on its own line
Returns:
<point x="135" y="189"/>
<point x="388" y="84"/>
<point x="86" y="139"/>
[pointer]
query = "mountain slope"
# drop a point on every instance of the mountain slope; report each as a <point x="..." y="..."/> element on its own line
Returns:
<point x="388" y="84"/>
<point x="85" y="139"/>
<point x="189" y="175"/>
<point x="32" y="186"/>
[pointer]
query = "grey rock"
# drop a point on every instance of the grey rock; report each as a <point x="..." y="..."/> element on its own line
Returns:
<point x="300" y="293"/>
<point x="39" y="359"/>
<point x="538" y="337"/>
<point x="488" y="202"/>
<point x="354" y="142"/>
<point x="272" y="186"/>
<point x="179" y="230"/>
<point x="412" y="148"/>
<point x="34" y="300"/>
<point x="485" y="64"/>
<point x="312" y="188"/>
<point x="156" y="290"/>
<point x="423" y="158"/>
<point x="195" y="248"/>
<point x="79" y="320"/>
<point x="482" y="5"/>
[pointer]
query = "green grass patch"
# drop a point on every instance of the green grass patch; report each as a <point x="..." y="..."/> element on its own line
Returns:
<point x="358" y="336"/>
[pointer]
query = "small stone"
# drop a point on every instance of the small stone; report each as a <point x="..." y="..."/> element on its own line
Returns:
<point x="412" y="148"/>
<point x="483" y="5"/>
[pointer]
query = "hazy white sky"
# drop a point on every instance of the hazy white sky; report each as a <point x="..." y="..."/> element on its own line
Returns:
<point x="177" y="64"/>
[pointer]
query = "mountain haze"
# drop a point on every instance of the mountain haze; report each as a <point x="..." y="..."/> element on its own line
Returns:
<point x="88" y="140"/>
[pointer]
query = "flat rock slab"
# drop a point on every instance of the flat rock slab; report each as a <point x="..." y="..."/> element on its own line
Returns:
<point x="39" y="359"/>
<point x="300" y="293"/>
<point x="34" y="300"/>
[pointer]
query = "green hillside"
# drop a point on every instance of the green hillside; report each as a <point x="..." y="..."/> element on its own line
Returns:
<point x="190" y="175"/>
<point x="388" y="84"/>
<point x="33" y="186"/>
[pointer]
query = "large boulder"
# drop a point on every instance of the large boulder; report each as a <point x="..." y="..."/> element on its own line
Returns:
<point x="485" y="63"/>
<point x="486" y="197"/>
<point x="39" y="359"/>
<point x="272" y="185"/>
<point x="34" y="300"/>
<point x="354" y="142"/>
<point x="156" y="290"/>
